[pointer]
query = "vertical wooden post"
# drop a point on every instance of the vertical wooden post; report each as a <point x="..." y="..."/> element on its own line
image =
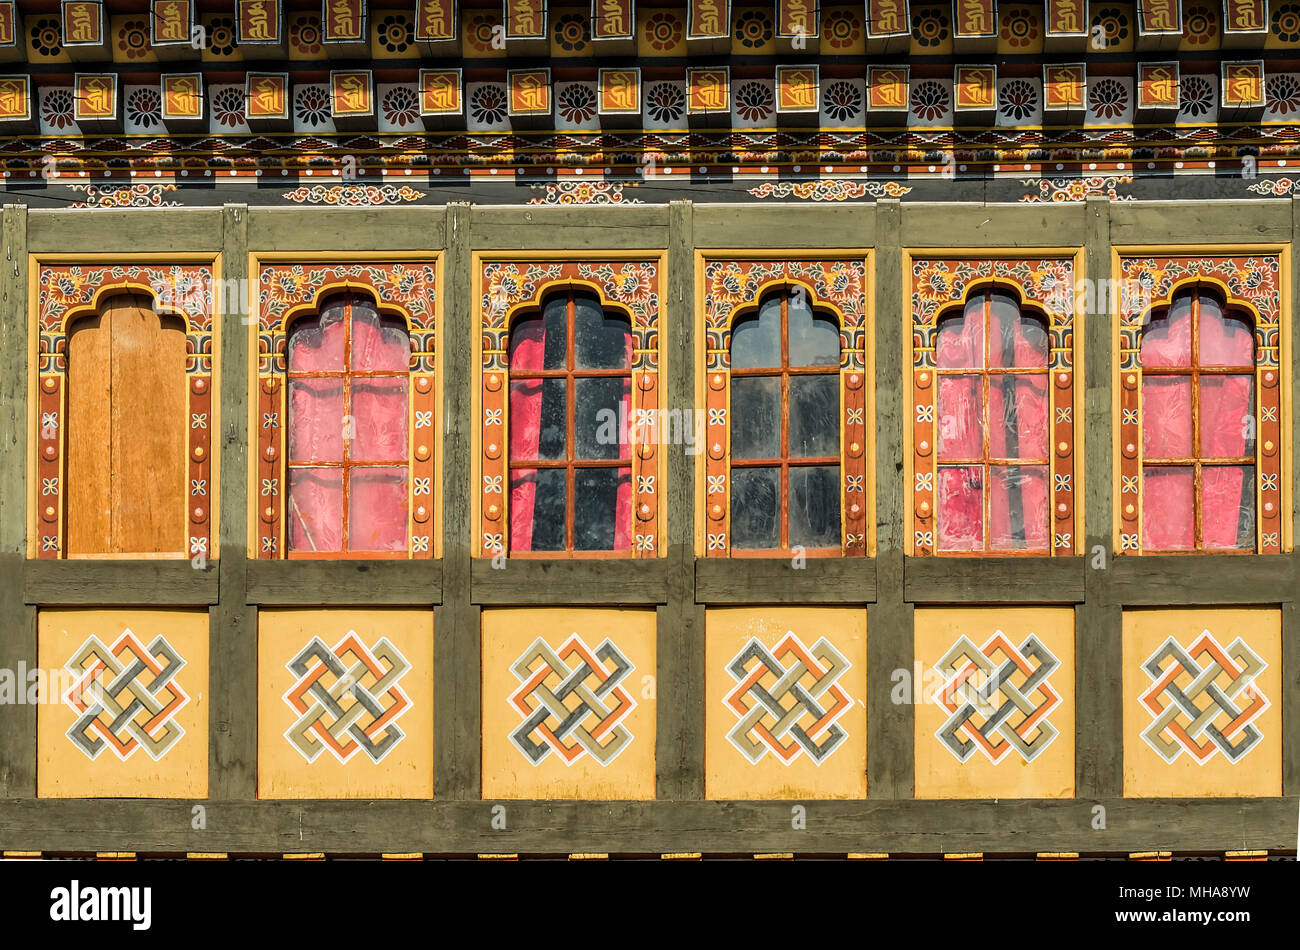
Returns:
<point x="890" y="757"/>
<point x="17" y="620"/>
<point x="232" y="647"/>
<point x="1290" y="608"/>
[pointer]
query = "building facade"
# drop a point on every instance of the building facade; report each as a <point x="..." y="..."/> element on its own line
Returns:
<point x="627" y="429"/>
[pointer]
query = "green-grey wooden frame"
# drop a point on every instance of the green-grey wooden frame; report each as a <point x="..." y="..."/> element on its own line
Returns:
<point x="678" y="585"/>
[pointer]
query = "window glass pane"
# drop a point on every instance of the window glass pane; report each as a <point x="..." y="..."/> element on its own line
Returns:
<point x="961" y="432"/>
<point x="755" y="417"/>
<point x="959" y="341"/>
<point x="1167" y="509"/>
<point x="1228" y="506"/>
<point x="814" y="337"/>
<point x="1018" y="507"/>
<point x="814" y="416"/>
<point x="815" y="506"/>
<point x="1167" y="417"/>
<point x="1017" y="416"/>
<point x="1227" y="417"/>
<point x="379" y="344"/>
<point x="600" y="417"/>
<point x="961" y="508"/>
<point x="599" y="342"/>
<point x="537" y="509"/>
<point x="377" y="509"/>
<point x="315" y="512"/>
<point x="1015" y="339"/>
<point x="527" y="343"/>
<point x="537" y="419"/>
<point x="315" y="343"/>
<point x="1225" y="340"/>
<point x="1167" y="339"/>
<point x="379" y="419"/>
<point x="316" y="420"/>
<point x="755" y="507"/>
<point x="556" y="315"/>
<point x="756" y="340"/>
<point x="602" y="509"/>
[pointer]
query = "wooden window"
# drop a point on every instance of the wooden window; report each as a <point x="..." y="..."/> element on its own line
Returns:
<point x="126" y="433"/>
<point x="348" y="372"/>
<point x="785" y="428"/>
<point x="1198" y="427"/>
<point x="570" y="472"/>
<point x="993" y="433"/>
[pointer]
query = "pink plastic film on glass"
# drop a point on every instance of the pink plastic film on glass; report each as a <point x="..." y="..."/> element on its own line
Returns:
<point x="379" y="419"/>
<point x="1018" y="507"/>
<point x="316" y="420"/>
<point x="622" y="511"/>
<point x="1168" y="509"/>
<point x="1167" y="417"/>
<point x="315" y="509"/>
<point x="315" y="344"/>
<point x="1228" y="506"/>
<point x="959" y="342"/>
<point x="961" y="508"/>
<point x="961" y="434"/>
<point x="1015" y="340"/>
<point x="1017" y="417"/>
<point x="377" y="509"/>
<point x="1167" y="339"/>
<point x="378" y="343"/>
<point x="1227" y="417"/>
<point x="528" y="343"/>
<point x="1224" y="341"/>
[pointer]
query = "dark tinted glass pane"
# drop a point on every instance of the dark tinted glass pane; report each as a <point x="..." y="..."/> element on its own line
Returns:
<point x="600" y="416"/>
<point x="815" y="506"/>
<point x="602" y="508"/>
<point x="755" y="417"/>
<point x="814" y="338"/>
<point x="755" y="507"/>
<point x="1016" y="339"/>
<point x="556" y="343"/>
<point x="756" y="340"/>
<point x="537" y="509"/>
<point x="599" y="342"/>
<point x="537" y="419"/>
<point x="814" y="416"/>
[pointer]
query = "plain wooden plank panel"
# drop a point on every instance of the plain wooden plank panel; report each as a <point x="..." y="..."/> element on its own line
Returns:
<point x="348" y="582"/>
<point x="564" y="581"/>
<point x="99" y="231"/>
<point x="994" y="580"/>
<point x="17" y="619"/>
<point x="154" y="582"/>
<point x="574" y="229"/>
<point x="995" y="226"/>
<point x="784" y="226"/>
<point x="1199" y="222"/>
<point x="89" y="439"/>
<point x="1199" y="579"/>
<point x="752" y="580"/>
<point x="373" y="230"/>
<point x="712" y="827"/>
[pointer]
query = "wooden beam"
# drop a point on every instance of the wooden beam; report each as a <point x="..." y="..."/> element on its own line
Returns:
<point x="127" y="582"/>
<point x="562" y="581"/>
<point x="372" y="230"/>
<point x="346" y="583"/>
<point x="125" y="231"/>
<point x="994" y="580"/>
<point x="634" y="227"/>
<point x="777" y="581"/>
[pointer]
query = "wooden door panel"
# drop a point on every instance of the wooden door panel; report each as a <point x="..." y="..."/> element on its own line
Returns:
<point x="89" y="443"/>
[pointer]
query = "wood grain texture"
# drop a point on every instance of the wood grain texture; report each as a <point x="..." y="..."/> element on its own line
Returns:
<point x="635" y="227"/>
<point x="995" y="226"/>
<point x="155" y="582"/>
<point x="17" y="619"/>
<point x="125" y="231"/>
<point x="784" y="226"/>
<point x="994" y="580"/>
<point x="345" y="582"/>
<point x="752" y="580"/>
<point x="1199" y="222"/>
<point x="368" y="230"/>
<point x="566" y="581"/>
<point x="1174" y="579"/>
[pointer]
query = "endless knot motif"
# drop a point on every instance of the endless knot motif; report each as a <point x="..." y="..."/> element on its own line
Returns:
<point x="347" y="698"/>
<point x="571" y="692"/>
<point x="1203" y="700"/>
<point x="991" y="700"/>
<point x="125" y="697"/>
<point x="788" y="700"/>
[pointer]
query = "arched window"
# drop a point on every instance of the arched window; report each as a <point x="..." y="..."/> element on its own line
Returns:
<point x="126" y="433"/>
<point x="993" y="492"/>
<point x="1198" y="427"/>
<point x="570" y="368"/>
<point x="785" y="427"/>
<point x="347" y="442"/>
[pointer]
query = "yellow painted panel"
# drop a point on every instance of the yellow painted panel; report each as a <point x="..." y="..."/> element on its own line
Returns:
<point x="315" y="737"/>
<point x="1232" y="744"/>
<point x="155" y="658"/>
<point x="748" y="752"/>
<point x="609" y="751"/>
<point x="1031" y="754"/>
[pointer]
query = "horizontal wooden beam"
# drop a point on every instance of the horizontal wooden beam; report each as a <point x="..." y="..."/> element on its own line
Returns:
<point x="345" y="583"/>
<point x="561" y="581"/>
<point x="995" y="226"/>
<point x="993" y="580"/>
<point x="111" y="583"/>
<point x="896" y="827"/>
<point x="514" y="228"/>
<point x="372" y="230"/>
<point x="1199" y="223"/>
<point x="784" y="226"/>
<point x="1194" y="579"/>
<point x="779" y="581"/>
<point x="128" y="232"/>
